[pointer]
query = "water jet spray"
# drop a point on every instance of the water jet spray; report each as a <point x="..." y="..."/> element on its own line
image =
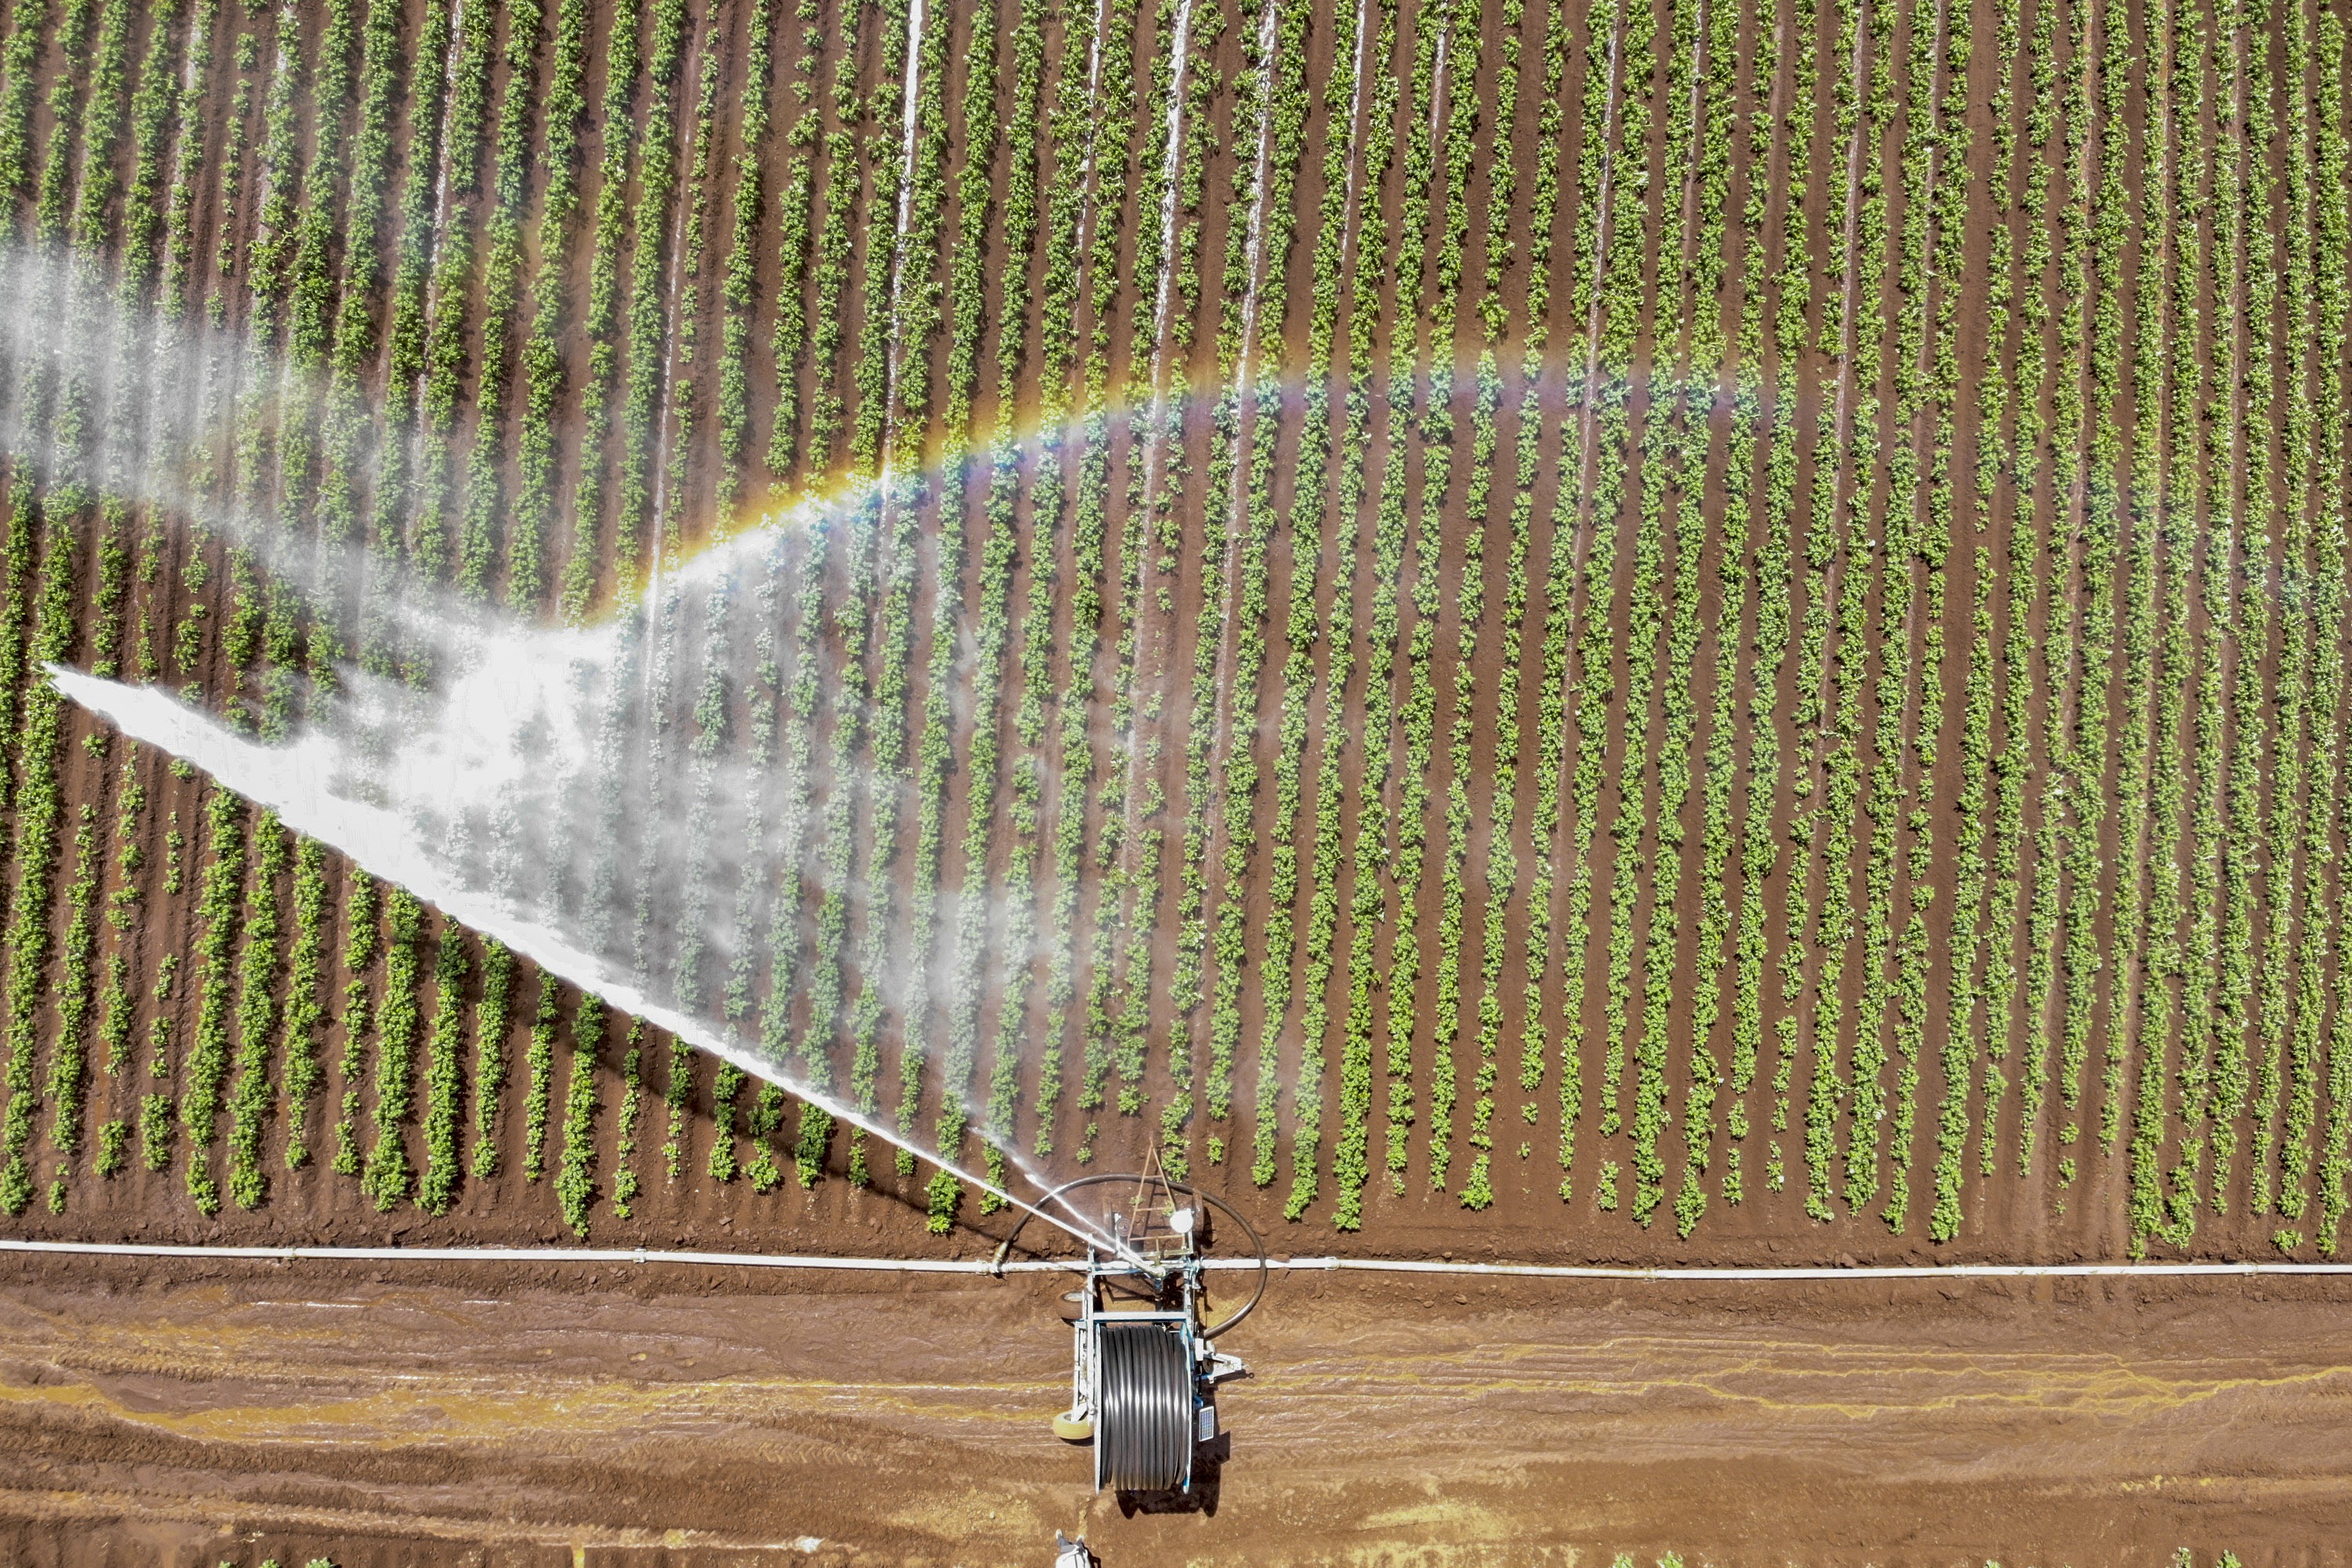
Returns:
<point x="296" y="782"/>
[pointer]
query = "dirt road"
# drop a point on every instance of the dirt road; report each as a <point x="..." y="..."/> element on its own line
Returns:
<point x="193" y="1416"/>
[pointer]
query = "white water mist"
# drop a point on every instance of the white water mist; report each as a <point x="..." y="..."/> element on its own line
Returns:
<point x="585" y="796"/>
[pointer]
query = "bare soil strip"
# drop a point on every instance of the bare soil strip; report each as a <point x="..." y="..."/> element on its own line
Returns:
<point x="240" y="1410"/>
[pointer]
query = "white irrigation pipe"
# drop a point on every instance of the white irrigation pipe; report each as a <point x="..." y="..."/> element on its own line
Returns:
<point x="1028" y="1266"/>
<point x="1892" y="1271"/>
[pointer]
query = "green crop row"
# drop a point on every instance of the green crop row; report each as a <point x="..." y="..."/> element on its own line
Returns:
<point x="408" y="313"/>
<point x="1109" y="133"/>
<point x="2062" y="124"/>
<point x="1825" y="544"/>
<point x="1456" y="58"/>
<point x="540" y="1058"/>
<point x="1502" y="864"/>
<point x="2332" y="396"/>
<point x="1712" y="359"/>
<point x="361" y="942"/>
<point x="600" y="307"/>
<point x="1366" y="898"/>
<point x="1559" y="586"/>
<point x="257" y="1015"/>
<point x="576" y="1181"/>
<point x="1469" y="609"/>
<point x="1601" y="298"/>
<point x="2270" y="871"/>
<point x="645" y="348"/>
<point x="1310" y="504"/>
<point x="69" y="1075"/>
<point x="1875" y="786"/>
<point x="2241" y="204"/>
<point x="219" y="911"/>
<point x="991" y="620"/>
<point x="777" y="1038"/>
<point x="1894" y="948"/>
<point x="445" y="1080"/>
<point x="836" y="849"/>
<point x="530" y="514"/>
<point x="2316" y="592"/>
<point x="967" y="290"/>
<point x="19" y="74"/>
<point x="2019" y="446"/>
<point x="1372" y="96"/>
<point x="2316" y="308"/>
<point x="2200" y="1025"/>
<point x="1282" y="126"/>
<point x="305" y="1013"/>
<point x="2090" y="509"/>
<point x="877" y="304"/>
<point x="341" y="458"/>
<point x="1672" y="466"/>
<point x="492" y="1013"/>
<point x="2195" y="264"/>
<point x="1948" y="265"/>
<point x="1993" y="716"/>
<point x="1231" y="578"/>
<point x="504" y="285"/>
<point x="1759" y="850"/>
<point x="387" y="1175"/>
<point x="626" y="1184"/>
<point x="1063" y="202"/>
<point x="792" y="219"/>
<point x="747" y="209"/>
<point x="307" y="258"/>
<point x="2165" y="395"/>
<point x="1645" y="602"/>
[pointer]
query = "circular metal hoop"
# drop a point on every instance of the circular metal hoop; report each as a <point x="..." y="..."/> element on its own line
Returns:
<point x="1256" y="1243"/>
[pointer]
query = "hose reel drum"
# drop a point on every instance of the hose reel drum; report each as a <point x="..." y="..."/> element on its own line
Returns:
<point x="1144" y="1363"/>
<point x="1148" y="1413"/>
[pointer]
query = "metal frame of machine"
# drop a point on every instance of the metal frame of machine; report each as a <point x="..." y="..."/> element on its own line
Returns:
<point x="1144" y="1365"/>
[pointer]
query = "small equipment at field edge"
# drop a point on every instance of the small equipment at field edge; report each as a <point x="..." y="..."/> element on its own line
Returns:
<point x="1145" y="1368"/>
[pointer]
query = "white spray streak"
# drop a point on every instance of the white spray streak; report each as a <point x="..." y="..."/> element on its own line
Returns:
<point x="440" y="211"/>
<point x="1355" y="138"/>
<point x="1167" y="162"/>
<point x="908" y="91"/>
<point x="1244" y="421"/>
<point x="1588" y="422"/>
<point x="1437" y="89"/>
<point x="1155" y="429"/>
<point x="907" y="119"/>
<point x="1087" y="157"/>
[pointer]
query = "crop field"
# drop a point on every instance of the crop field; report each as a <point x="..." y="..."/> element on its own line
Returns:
<point x="1627" y="630"/>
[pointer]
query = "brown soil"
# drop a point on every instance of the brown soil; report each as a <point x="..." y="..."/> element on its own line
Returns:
<point x="240" y="1412"/>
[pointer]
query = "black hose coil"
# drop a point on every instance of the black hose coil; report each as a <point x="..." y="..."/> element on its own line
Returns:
<point x="1143" y="1412"/>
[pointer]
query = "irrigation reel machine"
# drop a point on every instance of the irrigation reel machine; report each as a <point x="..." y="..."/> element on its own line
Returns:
<point x="1144" y="1363"/>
